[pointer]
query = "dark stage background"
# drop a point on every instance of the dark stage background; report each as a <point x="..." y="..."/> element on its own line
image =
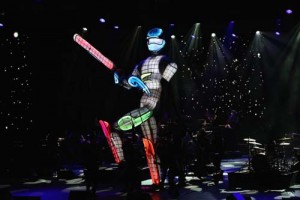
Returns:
<point x="60" y="88"/>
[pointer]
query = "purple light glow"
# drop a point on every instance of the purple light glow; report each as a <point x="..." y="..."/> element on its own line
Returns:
<point x="277" y="33"/>
<point x="1" y="25"/>
<point x="289" y="11"/>
<point x="102" y="20"/>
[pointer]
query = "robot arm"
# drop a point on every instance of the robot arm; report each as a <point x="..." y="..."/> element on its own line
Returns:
<point x="169" y="71"/>
<point x="121" y="80"/>
<point x="132" y="81"/>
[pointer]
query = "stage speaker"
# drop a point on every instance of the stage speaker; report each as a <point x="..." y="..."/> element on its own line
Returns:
<point x="79" y="195"/>
<point x="26" y="198"/>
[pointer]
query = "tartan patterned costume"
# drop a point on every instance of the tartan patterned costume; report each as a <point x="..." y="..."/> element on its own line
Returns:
<point x="152" y="70"/>
<point x="152" y="73"/>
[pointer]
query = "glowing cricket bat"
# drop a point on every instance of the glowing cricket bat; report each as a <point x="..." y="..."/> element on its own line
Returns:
<point x="132" y="80"/>
<point x="93" y="51"/>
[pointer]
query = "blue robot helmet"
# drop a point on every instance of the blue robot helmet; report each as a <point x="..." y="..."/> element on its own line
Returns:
<point x="155" y="39"/>
<point x="154" y="33"/>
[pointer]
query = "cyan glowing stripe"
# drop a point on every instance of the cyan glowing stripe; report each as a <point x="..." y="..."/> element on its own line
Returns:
<point x="136" y="82"/>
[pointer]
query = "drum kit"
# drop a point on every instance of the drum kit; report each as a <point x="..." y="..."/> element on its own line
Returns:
<point x="278" y="156"/>
<point x="253" y="147"/>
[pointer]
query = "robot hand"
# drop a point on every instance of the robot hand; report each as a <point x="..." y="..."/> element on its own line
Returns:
<point x="134" y="81"/>
<point x="120" y="79"/>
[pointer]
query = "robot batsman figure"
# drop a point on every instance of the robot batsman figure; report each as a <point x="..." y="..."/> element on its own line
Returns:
<point x="150" y="75"/>
<point x="154" y="71"/>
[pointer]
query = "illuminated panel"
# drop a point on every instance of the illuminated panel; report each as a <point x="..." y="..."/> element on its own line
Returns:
<point x="127" y="122"/>
<point x="105" y="127"/>
<point x="150" y="154"/>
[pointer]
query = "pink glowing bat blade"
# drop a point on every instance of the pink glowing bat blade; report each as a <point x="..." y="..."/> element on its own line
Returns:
<point x="93" y="51"/>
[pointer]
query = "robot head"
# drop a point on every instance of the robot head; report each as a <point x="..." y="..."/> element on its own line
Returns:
<point x="155" y="41"/>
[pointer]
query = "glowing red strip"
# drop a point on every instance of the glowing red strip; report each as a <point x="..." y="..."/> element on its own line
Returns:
<point x="105" y="127"/>
<point x="93" y="51"/>
<point x="150" y="154"/>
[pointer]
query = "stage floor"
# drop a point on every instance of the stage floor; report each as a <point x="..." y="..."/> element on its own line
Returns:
<point x="204" y="188"/>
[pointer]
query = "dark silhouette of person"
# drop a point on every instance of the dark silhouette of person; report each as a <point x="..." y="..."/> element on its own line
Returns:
<point x="203" y="153"/>
<point x="231" y="131"/>
<point x="132" y="171"/>
<point x="170" y="152"/>
<point x="91" y="162"/>
<point x="217" y="151"/>
<point x="133" y="151"/>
